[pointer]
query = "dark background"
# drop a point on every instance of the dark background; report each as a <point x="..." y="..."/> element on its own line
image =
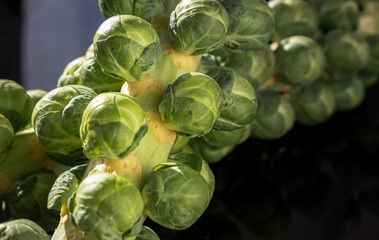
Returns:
<point x="318" y="182"/>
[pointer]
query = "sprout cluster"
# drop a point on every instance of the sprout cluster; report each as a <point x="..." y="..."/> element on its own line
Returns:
<point x="166" y="89"/>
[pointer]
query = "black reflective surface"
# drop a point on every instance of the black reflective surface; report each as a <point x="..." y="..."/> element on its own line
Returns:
<point x="319" y="182"/>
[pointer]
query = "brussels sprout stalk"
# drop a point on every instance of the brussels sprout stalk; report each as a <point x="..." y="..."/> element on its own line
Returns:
<point x="25" y="157"/>
<point x="173" y="63"/>
<point x="154" y="147"/>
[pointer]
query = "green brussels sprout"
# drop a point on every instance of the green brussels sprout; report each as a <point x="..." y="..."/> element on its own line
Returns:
<point x="36" y="95"/>
<point x="126" y="47"/>
<point x="27" y="198"/>
<point x="239" y="98"/>
<point x="64" y="186"/>
<point x="220" y="138"/>
<point x="22" y="229"/>
<point x="196" y="162"/>
<point x="349" y="94"/>
<point x="193" y="38"/>
<point x="171" y="206"/>
<point x="346" y="53"/>
<point x="70" y="73"/>
<point x="275" y="116"/>
<point x="56" y="120"/>
<point x="91" y="75"/>
<point x="191" y="104"/>
<point x="210" y="154"/>
<point x="314" y="104"/>
<point x="15" y="104"/>
<point x="146" y="9"/>
<point x="341" y="14"/>
<point x="251" y="24"/>
<point x="6" y="137"/>
<point x="147" y="234"/>
<point x="105" y="206"/>
<point x="294" y="17"/>
<point x="256" y="66"/>
<point x="373" y="62"/>
<point x="300" y="60"/>
<point x="112" y="126"/>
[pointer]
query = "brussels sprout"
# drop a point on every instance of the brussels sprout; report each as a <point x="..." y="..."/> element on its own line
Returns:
<point x="146" y="9"/>
<point x="192" y="104"/>
<point x="126" y="47"/>
<point x="343" y="63"/>
<point x="341" y="14"/>
<point x="373" y="62"/>
<point x="105" y="206"/>
<point x="36" y="95"/>
<point x="191" y="37"/>
<point x="91" y="75"/>
<point x="15" y="104"/>
<point x="70" y="73"/>
<point x="210" y="154"/>
<point x="196" y="162"/>
<point x="27" y="198"/>
<point x="22" y="229"/>
<point x="251" y="24"/>
<point x="349" y="93"/>
<point x="171" y="206"/>
<point x="147" y="234"/>
<point x="112" y="126"/>
<point x="239" y="97"/>
<point x="220" y="138"/>
<point x="300" y="60"/>
<point x="6" y="136"/>
<point x="56" y="120"/>
<point x="275" y="116"/>
<point x="64" y="186"/>
<point x="294" y="17"/>
<point x="256" y="66"/>
<point x="314" y="104"/>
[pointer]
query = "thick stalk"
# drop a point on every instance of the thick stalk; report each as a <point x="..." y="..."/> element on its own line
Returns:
<point x="25" y="157"/>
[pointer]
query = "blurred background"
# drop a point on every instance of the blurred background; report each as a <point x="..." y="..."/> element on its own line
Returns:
<point x="316" y="183"/>
<point x="40" y="37"/>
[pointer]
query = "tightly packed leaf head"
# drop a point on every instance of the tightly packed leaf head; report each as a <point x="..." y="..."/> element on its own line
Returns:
<point x="294" y="17"/>
<point x="146" y="9"/>
<point x="251" y="24"/>
<point x="112" y="126"/>
<point x="105" y="206"/>
<point x="256" y="66"/>
<point x="275" y="116"/>
<point x="300" y="60"/>
<point x="15" y="104"/>
<point x="126" y="47"/>
<point x="192" y="104"/>
<point x="241" y="103"/>
<point x="22" y="229"/>
<point x="56" y="120"/>
<point x="198" y="26"/>
<point x="314" y="104"/>
<point x="346" y="53"/>
<point x="175" y="195"/>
